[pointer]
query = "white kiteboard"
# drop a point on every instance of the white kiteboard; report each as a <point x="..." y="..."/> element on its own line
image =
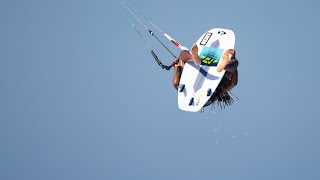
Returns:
<point x="198" y="82"/>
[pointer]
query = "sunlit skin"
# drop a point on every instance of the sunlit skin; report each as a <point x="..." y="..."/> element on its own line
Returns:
<point x="225" y="59"/>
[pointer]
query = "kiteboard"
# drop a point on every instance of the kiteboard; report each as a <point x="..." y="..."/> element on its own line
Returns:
<point x="198" y="82"/>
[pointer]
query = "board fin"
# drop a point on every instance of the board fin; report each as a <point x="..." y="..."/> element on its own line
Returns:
<point x="181" y="87"/>
<point x="209" y="92"/>
<point x="191" y="101"/>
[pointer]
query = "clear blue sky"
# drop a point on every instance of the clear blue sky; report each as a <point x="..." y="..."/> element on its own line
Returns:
<point x="81" y="98"/>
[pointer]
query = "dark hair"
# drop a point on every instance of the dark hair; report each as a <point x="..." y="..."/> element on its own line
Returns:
<point x="218" y="98"/>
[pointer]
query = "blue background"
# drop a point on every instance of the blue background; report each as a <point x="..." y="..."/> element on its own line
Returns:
<point x="82" y="98"/>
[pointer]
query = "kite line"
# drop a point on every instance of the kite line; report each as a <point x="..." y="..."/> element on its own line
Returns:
<point x="129" y="7"/>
